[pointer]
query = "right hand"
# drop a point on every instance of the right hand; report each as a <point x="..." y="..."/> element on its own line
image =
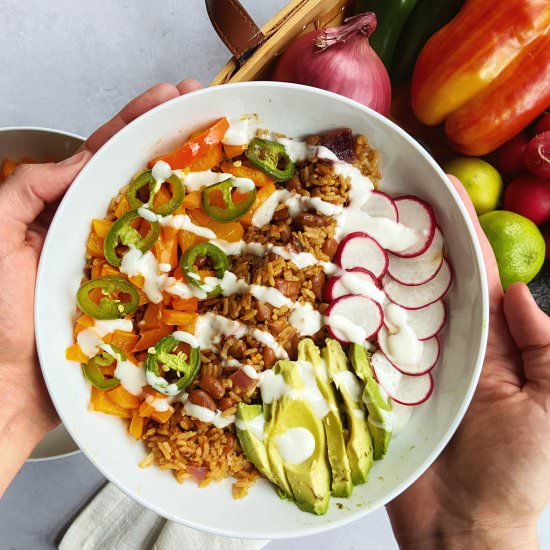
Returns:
<point x="490" y="485"/>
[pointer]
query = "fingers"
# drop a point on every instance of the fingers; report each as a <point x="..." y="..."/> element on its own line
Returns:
<point x="24" y="194"/>
<point x="493" y="277"/>
<point x="145" y="102"/>
<point x="530" y="329"/>
<point x="188" y="85"/>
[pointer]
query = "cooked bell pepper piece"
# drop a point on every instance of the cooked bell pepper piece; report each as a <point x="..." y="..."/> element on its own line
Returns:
<point x="99" y="401"/>
<point x="208" y="161"/>
<point x="263" y="194"/>
<point x="122" y="233"/>
<point x="195" y="147"/>
<point x="471" y="51"/>
<point x="136" y="426"/>
<point x="164" y="358"/>
<point x="271" y="157"/>
<point x="92" y="371"/>
<point x="244" y="170"/>
<point x="110" y="305"/>
<point x="230" y="211"/>
<point x="123" y="398"/>
<point x="219" y="260"/>
<point x="145" y="179"/>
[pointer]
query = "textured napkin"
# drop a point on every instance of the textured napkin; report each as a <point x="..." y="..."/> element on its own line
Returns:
<point x="113" y="521"/>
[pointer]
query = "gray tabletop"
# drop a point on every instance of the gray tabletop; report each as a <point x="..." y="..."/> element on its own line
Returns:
<point x="71" y="65"/>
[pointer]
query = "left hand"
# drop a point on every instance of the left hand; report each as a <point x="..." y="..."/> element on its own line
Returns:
<point x="28" y="200"/>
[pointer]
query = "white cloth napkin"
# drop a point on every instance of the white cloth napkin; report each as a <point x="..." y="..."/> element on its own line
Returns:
<point x="113" y="521"/>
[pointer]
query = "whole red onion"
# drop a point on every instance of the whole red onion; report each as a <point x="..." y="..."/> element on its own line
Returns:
<point x="339" y="59"/>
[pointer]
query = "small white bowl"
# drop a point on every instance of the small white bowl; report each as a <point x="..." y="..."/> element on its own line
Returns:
<point x="296" y="111"/>
<point x="42" y="145"/>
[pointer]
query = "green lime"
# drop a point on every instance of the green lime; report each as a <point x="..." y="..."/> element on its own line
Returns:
<point x="480" y="179"/>
<point x="518" y="245"/>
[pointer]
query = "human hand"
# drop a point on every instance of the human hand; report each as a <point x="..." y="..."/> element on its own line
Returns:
<point x="490" y="485"/>
<point x="28" y="200"/>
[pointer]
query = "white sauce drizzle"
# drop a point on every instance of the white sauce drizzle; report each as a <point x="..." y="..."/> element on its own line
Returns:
<point x="305" y="319"/>
<point x="135" y="262"/>
<point x="349" y="330"/>
<point x="206" y="415"/>
<point x="347" y="381"/>
<point x="255" y="426"/>
<point x="296" y="445"/>
<point x="132" y="377"/>
<point x="241" y="131"/>
<point x="161" y="172"/>
<point x="403" y="345"/>
<point x="91" y="338"/>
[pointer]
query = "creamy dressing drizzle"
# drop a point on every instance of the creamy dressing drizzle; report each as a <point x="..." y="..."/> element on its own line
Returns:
<point x="296" y="445"/>
<point x="255" y="426"/>
<point x="241" y="130"/>
<point x="403" y="345"/>
<point x="206" y="415"/>
<point x="91" y="338"/>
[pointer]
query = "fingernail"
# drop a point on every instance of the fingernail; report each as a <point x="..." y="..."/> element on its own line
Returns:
<point x="75" y="159"/>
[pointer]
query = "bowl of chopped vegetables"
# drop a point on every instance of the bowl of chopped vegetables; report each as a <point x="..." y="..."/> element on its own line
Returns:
<point x="257" y="327"/>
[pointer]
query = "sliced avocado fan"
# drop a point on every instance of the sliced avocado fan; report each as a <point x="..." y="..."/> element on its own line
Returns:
<point x="341" y="484"/>
<point x="359" y="444"/>
<point x="378" y="405"/>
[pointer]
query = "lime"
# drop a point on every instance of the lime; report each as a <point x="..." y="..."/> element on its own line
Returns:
<point x="480" y="179"/>
<point x="517" y="243"/>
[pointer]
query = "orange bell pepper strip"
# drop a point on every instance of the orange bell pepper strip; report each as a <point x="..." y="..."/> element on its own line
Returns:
<point x="244" y="170"/>
<point x="195" y="147"/>
<point x="506" y="106"/>
<point x="193" y="200"/>
<point x="135" y="429"/>
<point x="109" y="271"/>
<point x="232" y="151"/>
<point x="101" y="403"/>
<point x="208" y="161"/>
<point x="471" y="51"/>
<point x="231" y="231"/>
<point x="74" y="353"/>
<point x="152" y="317"/>
<point x="145" y="410"/>
<point x="149" y="338"/>
<point x="95" y="246"/>
<point x="83" y="322"/>
<point x="162" y="416"/>
<point x="123" y="398"/>
<point x="8" y="168"/>
<point x="261" y="196"/>
<point x="190" y="305"/>
<point x="186" y="240"/>
<point x="126" y="341"/>
<point x="122" y="207"/>
<point x="101" y="227"/>
<point x="173" y="317"/>
<point x="166" y="247"/>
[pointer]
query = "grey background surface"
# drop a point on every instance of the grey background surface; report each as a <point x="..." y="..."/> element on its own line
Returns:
<point x="72" y="65"/>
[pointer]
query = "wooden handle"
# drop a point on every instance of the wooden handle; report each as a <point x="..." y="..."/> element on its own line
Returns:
<point x="235" y="27"/>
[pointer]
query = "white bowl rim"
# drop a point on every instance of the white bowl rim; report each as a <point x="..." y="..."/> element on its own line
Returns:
<point x="345" y="520"/>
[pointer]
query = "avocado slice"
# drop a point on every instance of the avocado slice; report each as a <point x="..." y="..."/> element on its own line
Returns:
<point x="359" y="445"/>
<point x="378" y="405"/>
<point x="341" y="484"/>
<point x="309" y="480"/>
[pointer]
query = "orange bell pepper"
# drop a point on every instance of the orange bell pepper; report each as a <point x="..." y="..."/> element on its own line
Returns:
<point x="190" y="305"/>
<point x="135" y="429"/>
<point x="149" y="338"/>
<point x="471" y="51"/>
<point x="162" y="416"/>
<point x="208" y="161"/>
<point x="231" y="231"/>
<point x="193" y="200"/>
<point x="95" y="246"/>
<point x="152" y="317"/>
<point x="123" y="398"/>
<point x="507" y="105"/>
<point x="122" y="207"/>
<point x="101" y="227"/>
<point x="145" y="410"/>
<point x="195" y="147"/>
<point x="126" y="341"/>
<point x="186" y="240"/>
<point x="99" y="401"/>
<point x="74" y="353"/>
<point x="166" y="247"/>
<point x="232" y="151"/>
<point x="83" y="322"/>
<point x="244" y="170"/>
<point x="261" y="196"/>
<point x="173" y="317"/>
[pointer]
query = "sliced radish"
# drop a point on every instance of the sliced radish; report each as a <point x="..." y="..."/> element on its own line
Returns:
<point x="353" y="318"/>
<point x="418" y="269"/>
<point x="407" y="390"/>
<point x="428" y="360"/>
<point x="427" y="321"/>
<point x="416" y="297"/>
<point x="381" y="205"/>
<point x="336" y="286"/>
<point x="418" y="215"/>
<point x="360" y="250"/>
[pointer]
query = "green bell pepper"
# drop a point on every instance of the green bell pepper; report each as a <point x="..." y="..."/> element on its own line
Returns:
<point x="231" y="211"/>
<point x="110" y="305"/>
<point x="270" y="157"/>
<point x="162" y="360"/>
<point x="122" y="233"/>
<point x="146" y="179"/>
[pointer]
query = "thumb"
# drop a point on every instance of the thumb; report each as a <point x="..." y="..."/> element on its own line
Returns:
<point x="24" y="194"/>
<point x="530" y="329"/>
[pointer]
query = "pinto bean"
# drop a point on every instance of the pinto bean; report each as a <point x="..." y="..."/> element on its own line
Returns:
<point x="263" y="312"/>
<point x="225" y="403"/>
<point x="213" y="386"/>
<point x="280" y="214"/>
<point x="329" y="247"/>
<point x="318" y="284"/>
<point x="285" y="233"/>
<point x="307" y="219"/>
<point x="290" y="289"/>
<point x="202" y="399"/>
<point x="269" y="357"/>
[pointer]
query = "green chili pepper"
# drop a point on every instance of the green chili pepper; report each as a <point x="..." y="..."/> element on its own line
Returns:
<point x="218" y="257"/>
<point x="109" y="307"/>
<point x="271" y="157"/>
<point x="427" y="18"/>
<point x="391" y="16"/>
<point x="231" y="211"/>
<point x="122" y="233"/>
<point x="93" y="373"/>
<point x="146" y="179"/>
<point x="161" y="359"/>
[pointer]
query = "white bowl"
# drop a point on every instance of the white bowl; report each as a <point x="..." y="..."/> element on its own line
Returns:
<point x="296" y="111"/>
<point x="43" y="145"/>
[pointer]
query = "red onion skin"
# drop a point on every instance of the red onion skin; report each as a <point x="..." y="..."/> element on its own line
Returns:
<point x="340" y="68"/>
<point x="536" y="155"/>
